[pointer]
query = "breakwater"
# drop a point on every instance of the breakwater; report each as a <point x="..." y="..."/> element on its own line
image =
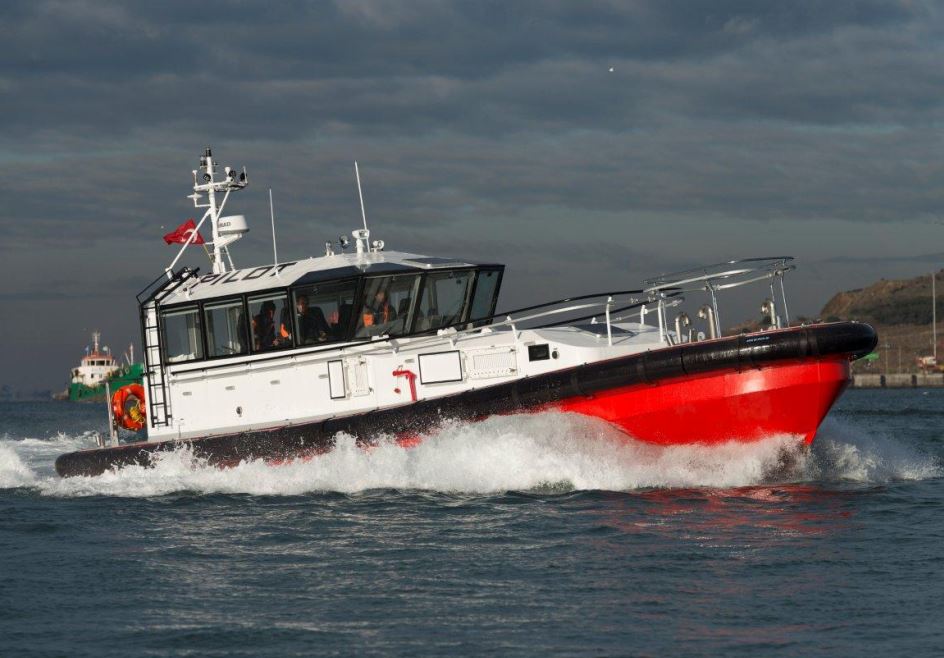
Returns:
<point x="902" y="380"/>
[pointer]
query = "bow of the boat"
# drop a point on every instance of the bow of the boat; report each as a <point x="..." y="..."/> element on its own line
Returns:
<point x="740" y="388"/>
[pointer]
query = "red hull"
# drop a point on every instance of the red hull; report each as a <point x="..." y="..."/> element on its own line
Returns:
<point x="785" y="398"/>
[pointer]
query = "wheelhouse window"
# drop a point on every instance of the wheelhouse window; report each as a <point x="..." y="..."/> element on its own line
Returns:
<point x="484" y="297"/>
<point x="271" y="322"/>
<point x="443" y="300"/>
<point x="323" y="312"/>
<point x="386" y="307"/>
<point x="183" y="339"/>
<point x="225" y="328"/>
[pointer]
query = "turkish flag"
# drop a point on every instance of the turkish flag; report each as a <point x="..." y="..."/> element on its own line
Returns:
<point x="181" y="234"/>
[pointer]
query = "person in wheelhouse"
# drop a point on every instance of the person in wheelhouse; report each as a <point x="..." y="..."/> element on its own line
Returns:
<point x="264" y="334"/>
<point x="379" y="310"/>
<point x="311" y="323"/>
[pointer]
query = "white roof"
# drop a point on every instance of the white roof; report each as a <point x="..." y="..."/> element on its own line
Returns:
<point x="311" y="270"/>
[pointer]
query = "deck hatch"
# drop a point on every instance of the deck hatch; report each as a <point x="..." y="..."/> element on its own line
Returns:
<point x="440" y="367"/>
<point x="358" y="381"/>
<point x="489" y="362"/>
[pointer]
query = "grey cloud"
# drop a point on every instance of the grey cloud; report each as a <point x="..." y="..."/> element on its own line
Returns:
<point x="491" y="130"/>
<point x="934" y="259"/>
<point x="466" y="67"/>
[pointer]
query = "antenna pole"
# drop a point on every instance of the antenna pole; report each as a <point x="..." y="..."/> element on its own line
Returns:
<point x="275" y="253"/>
<point x="357" y="173"/>
<point x="934" y="312"/>
<point x="219" y="265"/>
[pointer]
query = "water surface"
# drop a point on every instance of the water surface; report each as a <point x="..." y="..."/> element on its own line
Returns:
<point x="526" y="535"/>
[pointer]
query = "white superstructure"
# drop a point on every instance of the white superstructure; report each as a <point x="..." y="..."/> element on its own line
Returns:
<point x="96" y="366"/>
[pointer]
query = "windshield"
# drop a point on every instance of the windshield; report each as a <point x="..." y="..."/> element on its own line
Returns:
<point x="387" y="306"/>
<point x="323" y="312"/>
<point x="443" y="299"/>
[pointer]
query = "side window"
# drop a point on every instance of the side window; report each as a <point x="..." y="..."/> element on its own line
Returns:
<point x="183" y="339"/>
<point x="483" y="300"/>
<point x="270" y="321"/>
<point x="443" y="299"/>
<point x="323" y="312"/>
<point x="225" y="328"/>
<point x="387" y="305"/>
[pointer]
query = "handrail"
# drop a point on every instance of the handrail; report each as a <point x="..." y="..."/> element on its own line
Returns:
<point x="511" y="322"/>
<point x="727" y="275"/>
<point x="667" y="293"/>
<point x="568" y="309"/>
<point x="559" y="301"/>
<point x="152" y="289"/>
<point x="766" y="275"/>
<point x="439" y="334"/>
<point x="772" y="266"/>
<point x="674" y="302"/>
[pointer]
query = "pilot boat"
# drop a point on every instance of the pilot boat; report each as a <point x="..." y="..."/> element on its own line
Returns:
<point x="272" y="362"/>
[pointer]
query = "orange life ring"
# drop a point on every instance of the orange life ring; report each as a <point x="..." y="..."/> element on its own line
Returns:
<point x="127" y="406"/>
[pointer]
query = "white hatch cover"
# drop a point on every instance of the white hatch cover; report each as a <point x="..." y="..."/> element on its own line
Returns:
<point x="484" y="363"/>
<point x="358" y="381"/>
<point x="440" y="367"/>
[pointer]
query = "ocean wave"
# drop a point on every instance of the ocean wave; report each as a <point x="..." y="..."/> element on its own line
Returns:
<point x="560" y="452"/>
<point x="14" y="472"/>
<point x="843" y="451"/>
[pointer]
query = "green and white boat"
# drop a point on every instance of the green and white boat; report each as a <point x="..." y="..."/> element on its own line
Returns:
<point x="99" y="367"/>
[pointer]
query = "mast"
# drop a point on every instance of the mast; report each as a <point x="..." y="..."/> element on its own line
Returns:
<point x="934" y="314"/>
<point x="360" y="194"/>
<point x="275" y="252"/>
<point x="218" y="264"/>
<point x="361" y="237"/>
<point x="206" y="183"/>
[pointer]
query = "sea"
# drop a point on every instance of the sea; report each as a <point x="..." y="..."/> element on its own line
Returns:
<point x="531" y="535"/>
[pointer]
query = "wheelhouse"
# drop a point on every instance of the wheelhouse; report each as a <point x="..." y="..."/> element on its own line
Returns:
<point x="322" y="308"/>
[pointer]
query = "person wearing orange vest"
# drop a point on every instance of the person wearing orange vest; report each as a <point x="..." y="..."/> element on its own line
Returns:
<point x="380" y="311"/>
<point x="264" y="332"/>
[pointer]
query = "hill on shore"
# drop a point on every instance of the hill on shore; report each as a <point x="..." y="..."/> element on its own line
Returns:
<point x="900" y="310"/>
<point x="888" y="302"/>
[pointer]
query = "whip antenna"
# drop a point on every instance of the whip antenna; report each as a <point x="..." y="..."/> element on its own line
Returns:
<point x="275" y="253"/>
<point x="360" y="194"/>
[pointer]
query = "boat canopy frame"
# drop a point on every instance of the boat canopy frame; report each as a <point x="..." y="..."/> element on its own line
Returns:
<point x="727" y="275"/>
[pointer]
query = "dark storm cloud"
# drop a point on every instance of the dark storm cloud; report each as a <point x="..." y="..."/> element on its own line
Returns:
<point x="483" y="68"/>
<point x="934" y="259"/>
<point x="493" y="130"/>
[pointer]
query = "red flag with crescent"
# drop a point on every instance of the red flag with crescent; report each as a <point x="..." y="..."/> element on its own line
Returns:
<point x="181" y="234"/>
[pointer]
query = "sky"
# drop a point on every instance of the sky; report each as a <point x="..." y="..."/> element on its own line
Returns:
<point x="588" y="145"/>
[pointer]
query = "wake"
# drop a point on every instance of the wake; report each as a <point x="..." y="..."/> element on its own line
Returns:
<point x="561" y="452"/>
